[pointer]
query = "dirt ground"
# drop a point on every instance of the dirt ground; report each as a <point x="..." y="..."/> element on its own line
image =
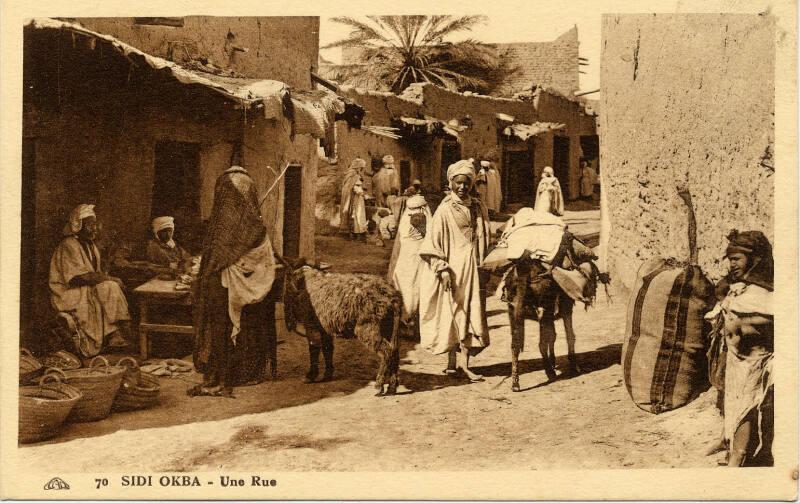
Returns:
<point x="436" y="423"/>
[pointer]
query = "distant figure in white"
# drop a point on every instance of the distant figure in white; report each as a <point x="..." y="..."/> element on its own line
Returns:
<point x="385" y="181"/>
<point x="352" y="210"/>
<point x="548" y="195"/>
<point x="406" y="265"/>
<point x="588" y="181"/>
<point x="488" y="186"/>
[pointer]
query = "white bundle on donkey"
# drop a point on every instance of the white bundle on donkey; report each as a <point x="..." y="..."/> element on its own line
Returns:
<point x="546" y="269"/>
<point x="663" y="356"/>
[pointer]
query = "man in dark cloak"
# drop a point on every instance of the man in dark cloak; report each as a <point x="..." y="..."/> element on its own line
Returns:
<point x="230" y="356"/>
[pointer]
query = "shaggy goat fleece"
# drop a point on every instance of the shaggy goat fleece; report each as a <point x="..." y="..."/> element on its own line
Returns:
<point x="345" y="302"/>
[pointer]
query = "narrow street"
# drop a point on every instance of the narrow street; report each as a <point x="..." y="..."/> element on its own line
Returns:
<point x="436" y="423"/>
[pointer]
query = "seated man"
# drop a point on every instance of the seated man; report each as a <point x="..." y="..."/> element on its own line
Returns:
<point x="163" y="251"/>
<point x="90" y="302"/>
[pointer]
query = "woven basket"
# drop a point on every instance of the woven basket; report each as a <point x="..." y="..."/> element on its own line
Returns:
<point x="138" y="390"/>
<point x="43" y="408"/>
<point x="30" y="368"/>
<point x="63" y="360"/>
<point x="99" y="387"/>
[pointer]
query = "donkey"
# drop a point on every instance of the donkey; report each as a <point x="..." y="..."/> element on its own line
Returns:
<point x="363" y="306"/>
<point x="532" y="293"/>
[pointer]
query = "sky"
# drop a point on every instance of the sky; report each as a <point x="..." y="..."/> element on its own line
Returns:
<point x="537" y="21"/>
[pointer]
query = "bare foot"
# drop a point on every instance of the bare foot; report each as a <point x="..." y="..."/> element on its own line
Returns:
<point x="472" y="376"/>
<point x="716" y="447"/>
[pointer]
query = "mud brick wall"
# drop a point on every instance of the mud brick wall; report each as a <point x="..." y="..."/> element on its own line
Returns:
<point x="687" y="100"/>
<point x="552" y="64"/>
<point x="278" y="48"/>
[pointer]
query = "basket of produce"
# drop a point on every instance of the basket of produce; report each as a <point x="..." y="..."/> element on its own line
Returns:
<point x="29" y="367"/>
<point x="138" y="390"/>
<point x="43" y="408"/>
<point x="99" y="385"/>
<point x="63" y="360"/>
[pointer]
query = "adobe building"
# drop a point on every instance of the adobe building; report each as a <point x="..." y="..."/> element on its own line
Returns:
<point x="687" y="101"/>
<point x="427" y="127"/>
<point x="140" y="136"/>
<point x="554" y="64"/>
<point x="285" y="49"/>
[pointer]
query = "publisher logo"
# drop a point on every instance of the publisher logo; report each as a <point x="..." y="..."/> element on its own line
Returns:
<point x="56" y="483"/>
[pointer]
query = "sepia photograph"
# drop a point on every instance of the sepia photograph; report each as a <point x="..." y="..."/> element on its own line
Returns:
<point x="250" y="249"/>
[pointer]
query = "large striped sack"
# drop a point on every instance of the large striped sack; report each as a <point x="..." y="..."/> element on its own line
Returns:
<point x="663" y="356"/>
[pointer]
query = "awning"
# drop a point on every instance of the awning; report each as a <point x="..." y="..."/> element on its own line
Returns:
<point x="313" y="112"/>
<point x="525" y="131"/>
<point x="431" y="126"/>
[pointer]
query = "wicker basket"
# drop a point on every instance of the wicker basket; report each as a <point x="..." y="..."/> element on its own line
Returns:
<point x="43" y="408"/>
<point x="63" y="360"/>
<point x="30" y="368"/>
<point x="138" y="390"/>
<point x="99" y="387"/>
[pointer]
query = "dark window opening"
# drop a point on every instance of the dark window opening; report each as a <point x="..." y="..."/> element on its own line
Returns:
<point x="176" y="184"/>
<point x="175" y="22"/>
<point x="292" y="207"/>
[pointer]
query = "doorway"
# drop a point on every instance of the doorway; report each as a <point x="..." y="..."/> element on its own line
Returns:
<point x="451" y="153"/>
<point x="590" y="145"/>
<point x="292" y="210"/>
<point x="176" y="184"/>
<point x="561" y="161"/>
<point x="405" y="175"/>
<point x="28" y="240"/>
<point x="517" y="176"/>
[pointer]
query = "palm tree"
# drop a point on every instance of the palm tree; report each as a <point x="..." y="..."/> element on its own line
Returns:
<point x="396" y="51"/>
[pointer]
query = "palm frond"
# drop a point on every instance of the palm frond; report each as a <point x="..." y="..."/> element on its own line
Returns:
<point x="452" y="25"/>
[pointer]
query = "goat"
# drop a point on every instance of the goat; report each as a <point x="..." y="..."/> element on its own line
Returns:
<point x="363" y="306"/>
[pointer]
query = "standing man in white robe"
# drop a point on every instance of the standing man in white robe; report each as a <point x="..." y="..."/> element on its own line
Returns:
<point x="494" y="194"/>
<point x="405" y="267"/>
<point x="452" y="307"/>
<point x="548" y="195"/>
<point x="385" y="181"/>
<point x="352" y="210"/>
<point x="82" y="292"/>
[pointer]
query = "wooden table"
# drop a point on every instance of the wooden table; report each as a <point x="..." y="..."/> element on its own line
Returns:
<point x="159" y="292"/>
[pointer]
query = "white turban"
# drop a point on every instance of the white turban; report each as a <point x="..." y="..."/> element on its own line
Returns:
<point x="461" y="168"/>
<point x="387" y="159"/>
<point x="75" y="223"/>
<point x="161" y="223"/>
<point x="417" y="201"/>
<point x="548" y="171"/>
